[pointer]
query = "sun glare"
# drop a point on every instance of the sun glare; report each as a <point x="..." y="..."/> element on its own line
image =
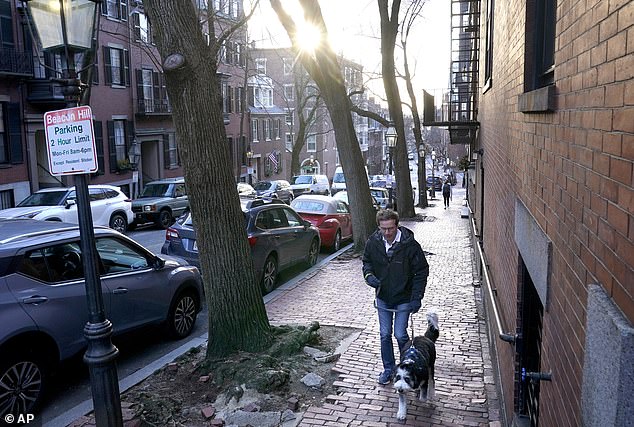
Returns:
<point x="308" y="37"/>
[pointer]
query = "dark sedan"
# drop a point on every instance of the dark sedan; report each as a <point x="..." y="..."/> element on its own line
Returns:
<point x="278" y="236"/>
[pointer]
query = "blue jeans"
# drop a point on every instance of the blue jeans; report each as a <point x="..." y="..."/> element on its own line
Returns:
<point x="400" y="318"/>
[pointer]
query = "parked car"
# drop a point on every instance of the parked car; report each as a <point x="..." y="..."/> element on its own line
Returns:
<point x="310" y="184"/>
<point x="44" y="307"/>
<point x="278" y="236"/>
<point x="245" y="189"/>
<point x="160" y="202"/>
<point x="329" y="215"/>
<point x="277" y="189"/>
<point x="343" y="196"/>
<point x="434" y="181"/>
<point x="109" y="205"/>
<point x="381" y="195"/>
<point x="339" y="180"/>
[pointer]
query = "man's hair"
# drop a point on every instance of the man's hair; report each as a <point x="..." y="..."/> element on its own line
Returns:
<point x="386" y="215"/>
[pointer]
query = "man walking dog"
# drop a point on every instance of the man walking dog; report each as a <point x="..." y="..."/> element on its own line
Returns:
<point x="394" y="264"/>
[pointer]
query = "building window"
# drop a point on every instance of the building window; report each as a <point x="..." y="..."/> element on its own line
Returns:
<point x="6" y="26"/>
<point x="289" y="92"/>
<point x="119" y="140"/>
<point x="289" y="142"/>
<point x="267" y="129"/>
<point x="277" y="128"/>
<point x="11" y="149"/>
<point x="488" y="53"/>
<point x="171" y="152"/>
<point x="260" y="65"/>
<point x="152" y="92"/>
<point x="115" y="9"/>
<point x="6" y="199"/>
<point x="263" y="97"/>
<point x="311" y="143"/>
<point x="289" y="119"/>
<point x="142" y="28"/>
<point x="254" y="130"/>
<point x="540" y="47"/>
<point x="4" y="140"/>
<point x="288" y="65"/>
<point x="116" y="66"/>
<point x="120" y="134"/>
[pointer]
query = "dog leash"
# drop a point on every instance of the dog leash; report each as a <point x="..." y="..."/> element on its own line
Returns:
<point x="393" y="310"/>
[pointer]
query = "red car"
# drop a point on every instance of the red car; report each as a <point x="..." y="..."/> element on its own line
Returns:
<point x="330" y="216"/>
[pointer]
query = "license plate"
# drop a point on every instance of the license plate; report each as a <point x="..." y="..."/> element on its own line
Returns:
<point x="195" y="247"/>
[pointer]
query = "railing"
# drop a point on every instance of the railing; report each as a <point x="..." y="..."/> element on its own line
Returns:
<point x="15" y="62"/>
<point x="153" y="106"/>
<point x="486" y="281"/>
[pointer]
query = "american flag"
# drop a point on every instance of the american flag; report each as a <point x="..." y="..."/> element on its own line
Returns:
<point x="273" y="159"/>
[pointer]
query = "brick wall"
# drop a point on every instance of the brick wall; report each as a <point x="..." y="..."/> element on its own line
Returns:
<point x="573" y="170"/>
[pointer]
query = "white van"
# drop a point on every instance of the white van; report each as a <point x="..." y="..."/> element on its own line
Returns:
<point x="339" y="181"/>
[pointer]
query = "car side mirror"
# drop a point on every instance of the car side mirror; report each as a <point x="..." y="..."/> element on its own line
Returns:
<point x="158" y="263"/>
<point x="69" y="203"/>
<point x="307" y="224"/>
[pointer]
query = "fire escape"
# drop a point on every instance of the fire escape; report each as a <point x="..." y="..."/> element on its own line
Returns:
<point x="460" y="109"/>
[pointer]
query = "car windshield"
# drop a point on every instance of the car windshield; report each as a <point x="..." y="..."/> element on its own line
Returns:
<point x="156" y="190"/>
<point x="45" y="198"/>
<point x="339" y="178"/>
<point x="310" y="206"/>
<point x="304" y="179"/>
<point x="379" y="183"/>
<point x="379" y="194"/>
<point x="263" y="185"/>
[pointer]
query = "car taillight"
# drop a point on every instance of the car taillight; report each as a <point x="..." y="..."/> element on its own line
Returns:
<point x="252" y="241"/>
<point x="171" y="234"/>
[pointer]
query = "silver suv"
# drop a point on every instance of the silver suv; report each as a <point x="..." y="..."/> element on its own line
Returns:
<point x="160" y="202"/>
<point x="43" y="305"/>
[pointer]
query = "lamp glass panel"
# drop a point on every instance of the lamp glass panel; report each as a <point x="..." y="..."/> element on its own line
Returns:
<point x="79" y="18"/>
<point x="46" y="17"/>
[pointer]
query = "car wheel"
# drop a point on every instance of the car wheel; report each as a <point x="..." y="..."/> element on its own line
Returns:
<point x="336" y="245"/>
<point x="22" y="378"/>
<point x="269" y="274"/>
<point x="182" y="316"/>
<point x="165" y="219"/>
<point x="313" y="253"/>
<point x="118" y="223"/>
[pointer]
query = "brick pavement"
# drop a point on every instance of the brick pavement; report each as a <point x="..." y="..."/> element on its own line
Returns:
<point x="337" y="295"/>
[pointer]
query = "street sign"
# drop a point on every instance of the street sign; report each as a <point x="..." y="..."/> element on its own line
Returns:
<point x="70" y="141"/>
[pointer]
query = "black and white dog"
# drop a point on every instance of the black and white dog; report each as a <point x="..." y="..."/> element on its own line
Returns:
<point x="416" y="370"/>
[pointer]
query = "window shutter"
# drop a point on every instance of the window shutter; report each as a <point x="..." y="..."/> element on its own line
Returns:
<point x="14" y="125"/>
<point x="126" y="66"/>
<point x="156" y="91"/>
<point x="229" y="99"/>
<point x="166" y="151"/>
<point x="112" y="149"/>
<point x="139" y="91"/>
<point x="95" y="68"/>
<point x="99" y="146"/>
<point x="129" y="135"/>
<point x="107" y="66"/>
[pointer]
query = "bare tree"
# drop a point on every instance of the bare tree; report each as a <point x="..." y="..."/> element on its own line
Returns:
<point x="413" y="12"/>
<point x="237" y="318"/>
<point x="324" y="69"/>
<point x="389" y="31"/>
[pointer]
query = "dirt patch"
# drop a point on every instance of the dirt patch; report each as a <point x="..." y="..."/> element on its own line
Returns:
<point x="185" y="392"/>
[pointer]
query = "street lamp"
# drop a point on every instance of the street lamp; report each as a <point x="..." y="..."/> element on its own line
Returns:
<point x="249" y="170"/>
<point x="432" y="190"/>
<point x="134" y="155"/>
<point x="422" y="178"/>
<point x="390" y="139"/>
<point x="70" y="27"/>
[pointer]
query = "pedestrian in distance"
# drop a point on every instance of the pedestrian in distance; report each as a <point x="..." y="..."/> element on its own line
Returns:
<point x="446" y="192"/>
<point x="394" y="264"/>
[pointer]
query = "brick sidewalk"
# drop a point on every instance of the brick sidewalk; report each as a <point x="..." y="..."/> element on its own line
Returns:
<point x="337" y="295"/>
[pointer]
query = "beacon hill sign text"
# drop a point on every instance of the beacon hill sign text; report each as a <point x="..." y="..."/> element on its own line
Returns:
<point x="70" y="140"/>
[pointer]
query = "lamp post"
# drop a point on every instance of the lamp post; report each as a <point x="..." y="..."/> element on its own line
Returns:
<point x="422" y="179"/>
<point x="134" y="155"/>
<point x="432" y="190"/>
<point x="249" y="170"/>
<point x="69" y="27"/>
<point x="390" y="138"/>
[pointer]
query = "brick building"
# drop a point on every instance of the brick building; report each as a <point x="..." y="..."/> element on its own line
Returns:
<point x="552" y="201"/>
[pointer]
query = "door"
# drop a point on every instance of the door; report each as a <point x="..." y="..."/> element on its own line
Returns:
<point x="343" y="215"/>
<point x="138" y="292"/>
<point x="279" y="236"/>
<point x="301" y="238"/>
<point x="49" y="284"/>
<point x="529" y="348"/>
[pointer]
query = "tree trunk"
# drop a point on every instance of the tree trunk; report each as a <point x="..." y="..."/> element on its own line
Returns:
<point x="324" y="69"/>
<point x="237" y="317"/>
<point x="389" y="30"/>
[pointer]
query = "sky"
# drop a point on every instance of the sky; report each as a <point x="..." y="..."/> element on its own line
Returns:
<point x="353" y="26"/>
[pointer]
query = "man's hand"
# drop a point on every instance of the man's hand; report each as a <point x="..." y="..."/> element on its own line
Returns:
<point x="373" y="281"/>
<point x="414" y="306"/>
